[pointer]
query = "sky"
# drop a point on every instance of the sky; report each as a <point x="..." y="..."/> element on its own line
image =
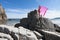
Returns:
<point x="20" y="8"/>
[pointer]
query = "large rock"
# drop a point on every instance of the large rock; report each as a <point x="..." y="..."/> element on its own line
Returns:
<point x="27" y="34"/>
<point x="51" y="35"/>
<point x="35" y="21"/>
<point x="24" y="22"/>
<point x="6" y="36"/>
<point x="3" y="17"/>
<point x="21" y="33"/>
<point x="33" y="15"/>
<point x="39" y="22"/>
<point x="13" y="32"/>
<point x="18" y="33"/>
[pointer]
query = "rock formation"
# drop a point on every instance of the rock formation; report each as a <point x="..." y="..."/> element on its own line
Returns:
<point x="31" y="28"/>
<point x="12" y="33"/>
<point x="35" y="23"/>
<point x="3" y="16"/>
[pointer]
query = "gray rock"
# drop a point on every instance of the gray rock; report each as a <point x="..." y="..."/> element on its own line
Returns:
<point x="14" y="36"/>
<point x="34" y="27"/>
<point x="26" y="34"/>
<point x="17" y="25"/>
<point x="33" y="14"/>
<point x="13" y="32"/>
<point x="24" y="22"/>
<point x="17" y="33"/>
<point x="35" y="21"/>
<point x="46" y="24"/>
<point x="3" y="39"/>
<point x="6" y="36"/>
<point x="39" y="36"/>
<point x="57" y="28"/>
<point x="51" y="35"/>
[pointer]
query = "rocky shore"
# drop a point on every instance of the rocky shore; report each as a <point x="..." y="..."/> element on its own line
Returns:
<point x="33" y="27"/>
<point x="44" y="26"/>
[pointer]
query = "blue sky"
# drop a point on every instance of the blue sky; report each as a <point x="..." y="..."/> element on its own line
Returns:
<point x="20" y="8"/>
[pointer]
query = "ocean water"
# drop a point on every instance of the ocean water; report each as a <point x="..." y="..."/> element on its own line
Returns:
<point x="56" y="21"/>
<point x="12" y="22"/>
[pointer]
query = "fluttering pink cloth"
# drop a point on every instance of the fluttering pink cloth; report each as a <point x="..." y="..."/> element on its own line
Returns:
<point x="42" y="10"/>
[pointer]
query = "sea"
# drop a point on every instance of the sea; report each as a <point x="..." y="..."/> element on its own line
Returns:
<point x="56" y="21"/>
<point x="12" y="22"/>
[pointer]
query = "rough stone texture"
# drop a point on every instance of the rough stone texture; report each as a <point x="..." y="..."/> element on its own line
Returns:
<point x="9" y="30"/>
<point x="51" y="35"/>
<point x="3" y="17"/>
<point x="57" y="28"/>
<point x="24" y="23"/>
<point x="6" y="36"/>
<point x="17" y="33"/>
<point x="21" y="33"/>
<point x="34" y="27"/>
<point x="38" y="23"/>
<point x="27" y="34"/>
<point x="35" y="21"/>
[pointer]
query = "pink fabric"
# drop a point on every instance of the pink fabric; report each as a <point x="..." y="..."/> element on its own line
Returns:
<point x="42" y="10"/>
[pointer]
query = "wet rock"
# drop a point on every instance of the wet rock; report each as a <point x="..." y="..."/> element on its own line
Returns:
<point x="17" y="25"/>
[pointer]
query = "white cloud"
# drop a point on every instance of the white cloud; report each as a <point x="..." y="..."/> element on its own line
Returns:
<point x="52" y="13"/>
<point x="21" y="13"/>
<point x="18" y="10"/>
<point x="17" y="13"/>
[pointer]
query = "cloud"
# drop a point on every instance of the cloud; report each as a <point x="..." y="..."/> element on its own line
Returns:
<point x="18" y="10"/>
<point x="17" y="13"/>
<point x="52" y="13"/>
<point x="22" y="13"/>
